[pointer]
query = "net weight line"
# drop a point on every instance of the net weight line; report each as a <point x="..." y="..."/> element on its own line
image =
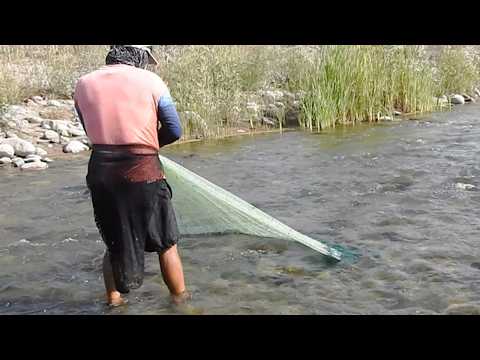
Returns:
<point x="205" y="208"/>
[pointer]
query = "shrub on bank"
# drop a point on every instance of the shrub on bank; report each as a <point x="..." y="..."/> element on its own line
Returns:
<point x="217" y="86"/>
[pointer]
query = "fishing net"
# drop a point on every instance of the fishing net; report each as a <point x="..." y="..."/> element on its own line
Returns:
<point x="205" y="208"/>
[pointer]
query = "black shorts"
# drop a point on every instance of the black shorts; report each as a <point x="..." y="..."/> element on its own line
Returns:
<point x="132" y="217"/>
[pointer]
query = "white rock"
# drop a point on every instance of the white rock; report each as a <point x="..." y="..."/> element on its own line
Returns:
<point x="457" y="99"/>
<point x="36" y="165"/>
<point x="33" y="157"/>
<point x="74" y="147"/>
<point x="477" y="92"/>
<point x="21" y="147"/>
<point x="56" y="125"/>
<point x="47" y="160"/>
<point x="65" y="132"/>
<point x="18" y="162"/>
<point x="76" y="132"/>
<point x="385" y="118"/>
<point x="37" y="99"/>
<point x="462" y="186"/>
<point x="17" y="124"/>
<point x="7" y="150"/>
<point x="11" y="135"/>
<point x="87" y="142"/>
<point x="40" y="152"/>
<point x="51" y="135"/>
<point x="5" y="160"/>
<point x="54" y="103"/>
<point x="397" y="113"/>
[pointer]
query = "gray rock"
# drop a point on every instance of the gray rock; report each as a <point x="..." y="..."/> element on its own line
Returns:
<point x="468" y="98"/>
<point x="21" y="147"/>
<point x="36" y="165"/>
<point x="40" y="151"/>
<point x="5" y="160"/>
<point x="34" y="119"/>
<point x="6" y="150"/>
<point x="475" y="265"/>
<point x="457" y="99"/>
<point x="18" y="162"/>
<point x="17" y="112"/>
<point x="74" y="147"/>
<point x="51" y="135"/>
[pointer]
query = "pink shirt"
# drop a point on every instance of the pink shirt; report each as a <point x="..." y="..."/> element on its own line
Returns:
<point x="119" y="105"/>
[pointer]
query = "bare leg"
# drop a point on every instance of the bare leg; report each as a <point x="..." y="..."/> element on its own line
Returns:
<point x="172" y="272"/>
<point x="114" y="298"/>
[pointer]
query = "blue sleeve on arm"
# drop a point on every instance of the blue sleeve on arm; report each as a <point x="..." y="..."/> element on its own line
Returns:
<point x="171" y="129"/>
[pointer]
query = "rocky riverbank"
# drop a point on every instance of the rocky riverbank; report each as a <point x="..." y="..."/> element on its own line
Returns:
<point x="36" y="132"/>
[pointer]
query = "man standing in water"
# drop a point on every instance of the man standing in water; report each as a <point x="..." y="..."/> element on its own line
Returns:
<point x="121" y="107"/>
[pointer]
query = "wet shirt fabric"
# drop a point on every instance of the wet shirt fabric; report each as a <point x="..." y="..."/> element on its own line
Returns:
<point x="128" y="115"/>
<point x="123" y="105"/>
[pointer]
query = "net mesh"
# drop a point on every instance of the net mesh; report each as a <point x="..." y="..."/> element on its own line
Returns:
<point x="205" y="208"/>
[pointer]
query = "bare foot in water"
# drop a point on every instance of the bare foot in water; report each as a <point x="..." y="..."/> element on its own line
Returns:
<point x="116" y="301"/>
<point x="181" y="298"/>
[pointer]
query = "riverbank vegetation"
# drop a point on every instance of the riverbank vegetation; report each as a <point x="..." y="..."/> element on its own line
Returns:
<point x="222" y="88"/>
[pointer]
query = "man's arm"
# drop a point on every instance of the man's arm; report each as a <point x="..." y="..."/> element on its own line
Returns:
<point x="171" y="129"/>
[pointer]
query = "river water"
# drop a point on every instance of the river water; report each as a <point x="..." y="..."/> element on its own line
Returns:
<point x="403" y="197"/>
